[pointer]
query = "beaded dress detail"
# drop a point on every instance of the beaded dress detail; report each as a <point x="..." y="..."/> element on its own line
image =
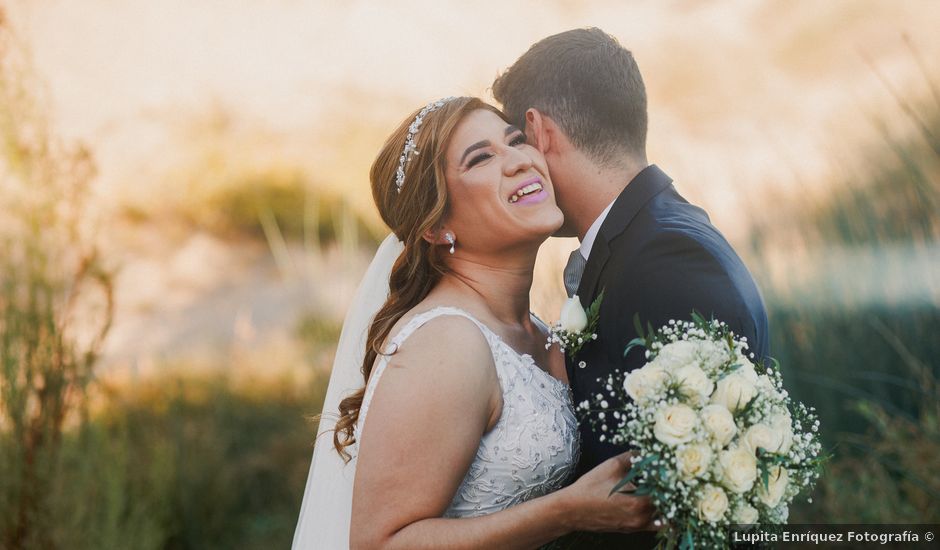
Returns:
<point x="533" y="448"/>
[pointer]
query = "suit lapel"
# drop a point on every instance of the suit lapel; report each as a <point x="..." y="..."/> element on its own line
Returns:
<point x="649" y="182"/>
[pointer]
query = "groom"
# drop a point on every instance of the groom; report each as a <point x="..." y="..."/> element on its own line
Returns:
<point x="581" y="99"/>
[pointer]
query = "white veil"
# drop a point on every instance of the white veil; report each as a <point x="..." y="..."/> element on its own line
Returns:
<point x="327" y="505"/>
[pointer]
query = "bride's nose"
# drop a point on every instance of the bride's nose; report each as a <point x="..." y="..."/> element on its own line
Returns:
<point x="516" y="161"/>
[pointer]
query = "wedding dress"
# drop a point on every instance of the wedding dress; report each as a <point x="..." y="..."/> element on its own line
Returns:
<point x="532" y="450"/>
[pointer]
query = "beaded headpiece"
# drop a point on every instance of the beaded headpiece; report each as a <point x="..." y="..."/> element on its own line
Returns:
<point x="411" y="149"/>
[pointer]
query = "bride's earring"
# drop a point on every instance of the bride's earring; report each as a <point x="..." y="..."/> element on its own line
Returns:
<point x="449" y="237"/>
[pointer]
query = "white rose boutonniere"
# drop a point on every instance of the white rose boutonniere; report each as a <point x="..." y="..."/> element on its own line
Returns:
<point x="576" y="326"/>
<point x="573" y="318"/>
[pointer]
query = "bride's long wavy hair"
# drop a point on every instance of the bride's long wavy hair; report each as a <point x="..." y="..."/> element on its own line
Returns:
<point x="418" y="208"/>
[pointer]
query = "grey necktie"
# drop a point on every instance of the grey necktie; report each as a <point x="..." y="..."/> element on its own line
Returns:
<point x="573" y="270"/>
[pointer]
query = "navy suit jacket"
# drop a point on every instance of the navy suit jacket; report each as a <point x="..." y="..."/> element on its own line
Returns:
<point x="658" y="256"/>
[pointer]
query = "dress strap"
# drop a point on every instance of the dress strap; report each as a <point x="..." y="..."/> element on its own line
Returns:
<point x="421" y="319"/>
<point x="410" y="327"/>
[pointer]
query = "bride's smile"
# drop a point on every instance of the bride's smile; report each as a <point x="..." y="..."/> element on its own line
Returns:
<point x="499" y="187"/>
<point x="471" y="436"/>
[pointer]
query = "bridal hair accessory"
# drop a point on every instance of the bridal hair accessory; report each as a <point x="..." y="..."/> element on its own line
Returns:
<point x="410" y="146"/>
<point x="449" y="237"/>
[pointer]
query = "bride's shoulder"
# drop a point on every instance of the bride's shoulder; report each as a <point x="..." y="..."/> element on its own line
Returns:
<point x="438" y="333"/>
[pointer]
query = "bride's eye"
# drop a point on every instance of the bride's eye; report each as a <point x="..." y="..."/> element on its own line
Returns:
<point x="478" y="159"/>
<point x="518" y="139"/>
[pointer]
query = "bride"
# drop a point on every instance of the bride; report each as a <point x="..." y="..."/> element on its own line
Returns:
<point x="464" y="435"/>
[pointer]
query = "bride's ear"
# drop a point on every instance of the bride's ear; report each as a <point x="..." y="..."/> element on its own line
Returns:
<point x="437" y="236"/>
<point x="536" y="129"/>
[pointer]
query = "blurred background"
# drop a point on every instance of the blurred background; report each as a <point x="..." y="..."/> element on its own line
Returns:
<point x="185" y="214"/>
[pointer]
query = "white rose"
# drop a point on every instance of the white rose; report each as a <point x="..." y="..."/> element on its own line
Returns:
<point x="674" y="424"/>
<point x="734" y="391"/>
<point x="738" y="469"/>
<point x="776" y="485"/>
<point x="746" y="369"/>
<point x="695" y="384"/>
<point x="762" y="436"/>
<point x="573" y="318"/>
<point x="677" y="354"/>
<point x="643" y="384"/>
<point x="694" y="460"/>
<point x="712" y="503"/>
<point x="783" y="424"/>
<point x="744" y="513"/>
<point x="720" y="423"/>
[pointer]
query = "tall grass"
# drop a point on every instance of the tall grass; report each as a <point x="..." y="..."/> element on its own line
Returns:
<point x="250" y="203"/>
<point x="208" y="461"/>
<point x="55" y="303"/>
<point x="887" y="474"/>
<point x="212" y="461"/>
<point x="857" y="338"/>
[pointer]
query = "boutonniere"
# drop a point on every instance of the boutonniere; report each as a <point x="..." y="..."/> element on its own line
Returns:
<point x="576" y="326"/>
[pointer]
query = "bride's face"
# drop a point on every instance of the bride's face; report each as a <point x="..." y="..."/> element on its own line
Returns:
<point x="499" y="189"/>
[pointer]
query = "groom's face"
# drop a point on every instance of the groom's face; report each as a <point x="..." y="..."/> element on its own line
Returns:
<point x="567" y="228"/>
<point x="500" y="192"/>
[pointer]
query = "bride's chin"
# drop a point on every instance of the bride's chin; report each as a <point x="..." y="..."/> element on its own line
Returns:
<point x="541" y="235"/>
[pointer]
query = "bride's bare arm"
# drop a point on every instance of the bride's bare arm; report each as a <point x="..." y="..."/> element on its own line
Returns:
<point x="435" y="401"/>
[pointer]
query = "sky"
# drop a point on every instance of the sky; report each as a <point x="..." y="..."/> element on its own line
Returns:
<point x="743" y="94"/>
<point x="750" y="103"/>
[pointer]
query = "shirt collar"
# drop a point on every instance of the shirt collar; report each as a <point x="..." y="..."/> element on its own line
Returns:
<point x="588" y="242"/>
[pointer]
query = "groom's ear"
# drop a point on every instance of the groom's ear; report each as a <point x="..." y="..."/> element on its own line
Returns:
<point x="536" y="130"/>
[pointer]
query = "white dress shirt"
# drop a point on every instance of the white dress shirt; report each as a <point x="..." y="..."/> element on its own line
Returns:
<point x="588" y="242"/>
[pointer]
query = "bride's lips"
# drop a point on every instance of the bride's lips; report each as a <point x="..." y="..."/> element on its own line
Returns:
<point x="532" y="197"/>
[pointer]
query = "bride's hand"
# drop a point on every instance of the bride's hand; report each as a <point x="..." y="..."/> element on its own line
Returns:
<point x="593" y="510"/>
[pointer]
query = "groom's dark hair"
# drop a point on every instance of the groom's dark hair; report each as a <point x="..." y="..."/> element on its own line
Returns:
<point x="586" y="82"/>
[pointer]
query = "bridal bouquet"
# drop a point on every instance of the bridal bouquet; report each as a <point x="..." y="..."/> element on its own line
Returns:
<point x="718" y="441"/>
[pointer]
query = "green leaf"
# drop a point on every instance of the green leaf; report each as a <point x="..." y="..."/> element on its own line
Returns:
<point x="636" y="342"/>
<point x="638" y="326"/>
<point x="646" y="460"/>
<point x="775" y="363"/>
<point x="595" y="306"/>
<point x="631" y="475"/>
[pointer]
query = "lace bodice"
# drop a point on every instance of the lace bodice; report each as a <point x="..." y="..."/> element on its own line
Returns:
<point x="533" y="448"/>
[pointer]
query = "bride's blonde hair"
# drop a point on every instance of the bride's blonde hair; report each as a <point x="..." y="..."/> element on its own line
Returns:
<point x="417" y="208"/>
